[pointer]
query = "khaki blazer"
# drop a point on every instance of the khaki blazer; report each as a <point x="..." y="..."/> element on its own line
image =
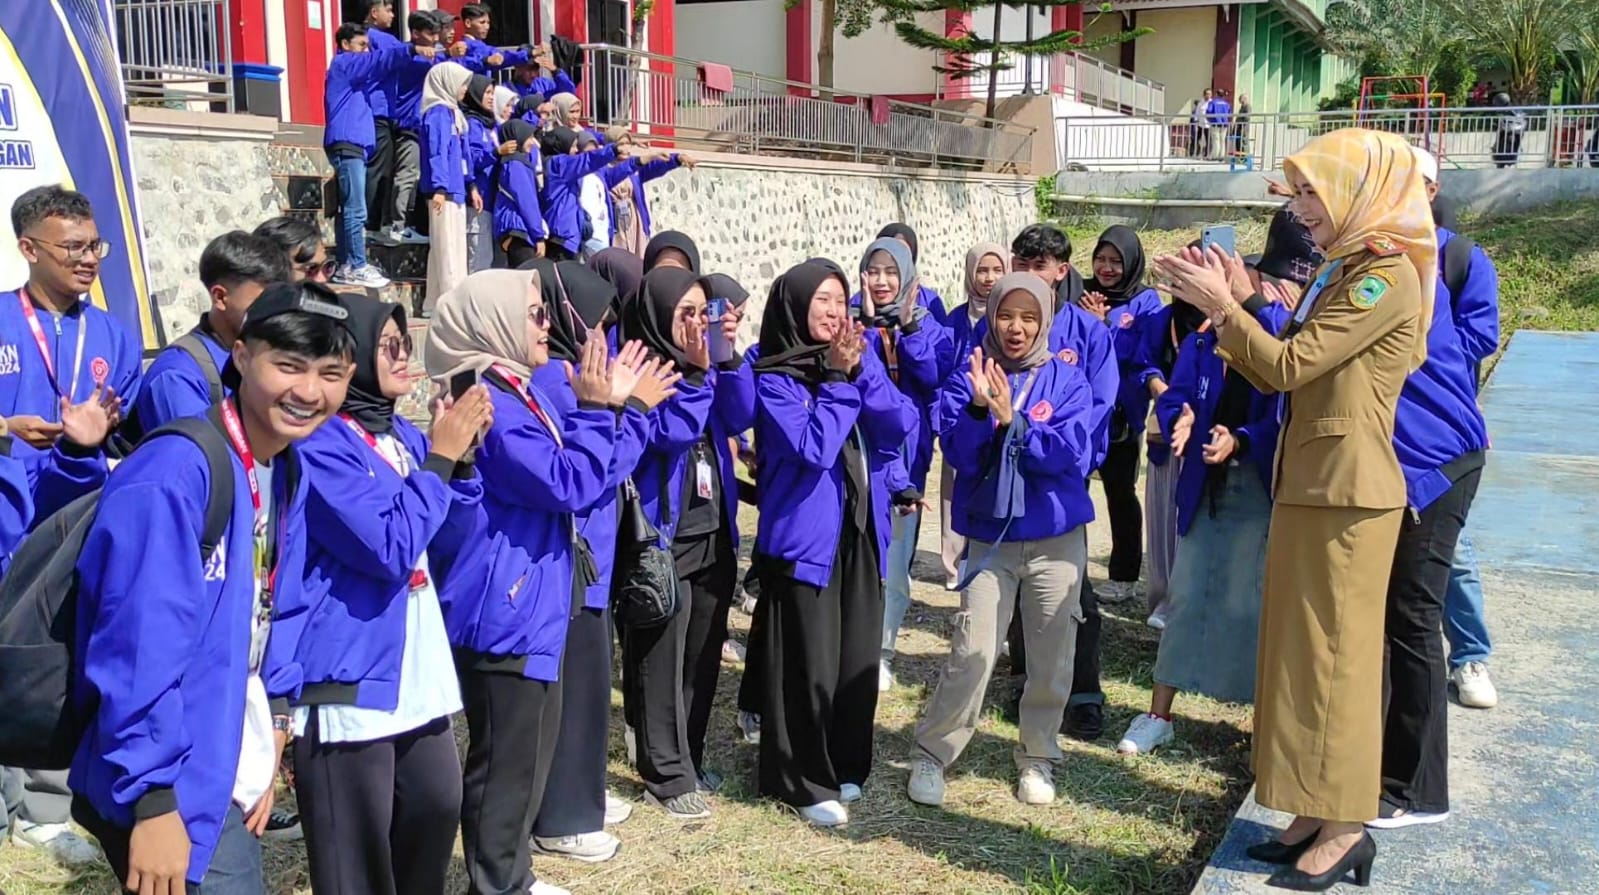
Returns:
<point x="1342" y="372"/>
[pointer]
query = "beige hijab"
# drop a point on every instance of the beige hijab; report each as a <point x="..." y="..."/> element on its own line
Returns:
<point x="974" y="257"/>
<point x="480" y="323"/>
<point x="1027" y="283"/>
<point x="565" y="109"/>
<point x="443" y="87"/>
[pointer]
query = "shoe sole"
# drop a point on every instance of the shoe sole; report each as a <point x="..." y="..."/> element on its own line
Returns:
<point x="928" y="802"/>
<point x="1407" y="820"/>
<point x="620" y="818"/>
<point x="574" y="856"/>
<point x="1460" y="698"/>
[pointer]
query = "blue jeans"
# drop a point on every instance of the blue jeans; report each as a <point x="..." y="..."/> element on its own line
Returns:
<point x="350" y="233"/>
<point x="1465" y="623"/>
<point x="897" y="587"/>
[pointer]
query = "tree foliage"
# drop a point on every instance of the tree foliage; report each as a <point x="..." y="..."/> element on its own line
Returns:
<point x="1397" y="38"/>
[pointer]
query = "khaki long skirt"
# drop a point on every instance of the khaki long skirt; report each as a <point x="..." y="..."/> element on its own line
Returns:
<point x="1318" y="682"/>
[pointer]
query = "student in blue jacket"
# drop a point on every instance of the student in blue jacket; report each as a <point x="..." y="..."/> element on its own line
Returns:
<point x="481" y="56"/>
<point x="576" y="806"/>
<point x="1223" y="434"/>
<point x="912" y="345"/>
<point x="1119" y="298"/>
<point x="565" y="166"/>
<point x="1078" y="338"/>
<point x="631" y="225"/>
<point x="823" y="405"/>
<point x="926" y="296"/>
<point x="67" y="368"/>
<point x="985" y="265"/>
<point x="530" y="79"/>
<point x="1441" y="441"/>
<point x="1018" y="429"/>
<point x="681" y="489"/>
<point x="350" y="139"/>
<point x="377" y="777"/>
<point x="509" y="596"/>
<point x="446" y="170"/>
<point x="484" y="147"/>
<point x="235" y="269"/>
<point x="519" y="227"/>
<point x="183" y="688"/>
<point x="405" y="105"/>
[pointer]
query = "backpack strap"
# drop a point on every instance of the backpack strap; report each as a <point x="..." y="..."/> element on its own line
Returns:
<point x="193" y="344"/>
<point x="206" y="433"/>
<point x="1457" y="264"/>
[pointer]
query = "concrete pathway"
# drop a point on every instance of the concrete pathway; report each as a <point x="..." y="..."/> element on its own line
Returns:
<point x="1523" y="776"/>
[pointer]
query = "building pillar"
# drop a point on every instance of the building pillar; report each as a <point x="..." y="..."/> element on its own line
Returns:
<point x="247" y="31"/>
<point x="956" y="24"/>
<point x="801" y="55"/>
<point x="1129" y="48"/>
<point x="571" y="20"/>
<point x="1224" y="67"/>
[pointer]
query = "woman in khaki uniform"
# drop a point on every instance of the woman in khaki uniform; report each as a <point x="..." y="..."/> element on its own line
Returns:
<point x="1339" y="495"/>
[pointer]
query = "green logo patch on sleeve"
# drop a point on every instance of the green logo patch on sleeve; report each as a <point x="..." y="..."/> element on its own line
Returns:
<point x="1370" y="290"/>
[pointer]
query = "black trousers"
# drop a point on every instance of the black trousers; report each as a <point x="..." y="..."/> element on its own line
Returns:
<point x="519" y="251"/>
<point x="554" y="251"/>
<point x="1085" y="674"/>
<point x="379" y="816"/>
<point x="574" y="797"/>
<point x="1415" y="742"/>
<point x="513" y="724"/>
<point x="1119" y="476"/>
<point x="821" y="652"/>
<point x="380" y="176"/>
<point x="652" y="675"/>
<point x="752" y="686"/>
<point x="712" y="585"/>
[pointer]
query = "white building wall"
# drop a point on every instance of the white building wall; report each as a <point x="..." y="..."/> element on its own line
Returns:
<point x="878" y="62"/>
<point x="749" y="35"/>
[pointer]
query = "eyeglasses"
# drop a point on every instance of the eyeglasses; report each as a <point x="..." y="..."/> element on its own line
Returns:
<point x="311" y="270"/>
<point x="396" y="347"/>
<point x="76" y="250"/>
<point x="540" y="315"/>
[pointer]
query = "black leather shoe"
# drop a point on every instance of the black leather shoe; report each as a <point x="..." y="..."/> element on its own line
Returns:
<point x="1084" y="721"/>
<point x="1359" y="858"/>
<point x="1278" y="852"/>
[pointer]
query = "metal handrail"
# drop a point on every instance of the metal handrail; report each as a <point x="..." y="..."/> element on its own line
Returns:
<point x="175" y="52"/>
<point x="1472" y="137"/>
<point x="1080" y="77"/>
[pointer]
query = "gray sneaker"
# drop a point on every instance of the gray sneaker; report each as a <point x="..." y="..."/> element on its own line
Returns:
<point x="365" y="276"/>
<point x="688" y="806"/>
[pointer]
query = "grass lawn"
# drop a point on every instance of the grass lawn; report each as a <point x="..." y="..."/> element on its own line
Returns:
<point x="1144" y="825"/>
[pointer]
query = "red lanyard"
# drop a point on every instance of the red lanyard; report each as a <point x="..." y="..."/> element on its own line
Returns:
<point x="44" y="346"/>
<point x="230" y="421"/>
<point x="527" y="398"/>
<point x="419" y="578"/>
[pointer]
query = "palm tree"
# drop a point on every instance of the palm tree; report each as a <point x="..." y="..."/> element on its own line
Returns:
<point x="1523" y="36"/>
<point x="1398" y="37"/>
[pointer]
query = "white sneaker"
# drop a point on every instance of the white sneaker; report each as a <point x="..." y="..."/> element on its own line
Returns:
<point x="1116" y="591"/>
<point x="1157" y="619"/>
<point x="1036" y="785"/>
<point x="540" y="887"/>
<point x="365" y="276"/>
<point x="1474" y="686"/>
<point x="749" y="725"/>
<point x="825" y="814"/>
<point x="616" y="810"/>
<point x="733" y="651"/>
<point x="1146" y="734"/>
<point x="748" y="605"/>
<point x="630" y="740"/>
<point x="849" y="792"/>
<point x="885" y="677"/>
<point x="64" y="845"/>
<point x="927" y="783"/>
<point x="590" y="848"/>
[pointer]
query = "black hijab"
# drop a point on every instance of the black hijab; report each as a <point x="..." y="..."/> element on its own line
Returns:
<point x="787" y="346"/>
<point x="558" y="141"/>
<point x="520" y="131"/>
<point x="1290" y="252"/>
<point x="365" y="402"/>
<point x="904" y="233"/>
<point x="577" y="299"/>
<point x="1069" y="291"/>
<point x="621" y="269"/>
<point x="671" y="239"/>
<point x="720" y="285"/>
<point x="472" y="105"/>
<point x="648" y="314"/>
<point x="832" y="266"/>
<point x="529" y="105"/>
<point x="1125" y="241"/>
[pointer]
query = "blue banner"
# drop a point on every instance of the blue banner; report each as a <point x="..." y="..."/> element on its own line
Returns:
<point x="62" y="121"/>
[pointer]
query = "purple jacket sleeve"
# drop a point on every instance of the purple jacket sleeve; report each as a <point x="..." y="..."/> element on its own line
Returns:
<point x="615" y="174"/>
<point x="61" y="475"/>
<point x="520" y="461"/>
<point x="523" y="186"/>
<point x="659" y="168"/>
<point x="1262" y="429"/>
<point x="1066" y="438"/>
<point x="438" y="133"/>
<point x="966" y="439"/>
<point x="1179" y="390"/>
<point x="921" y="354"/>
<point x="16" y="501"/>
<point x="572" y="168"/>
<point x="888" y="415"/>
<point x="813" y="430"/>
<point x="679" y="421"/>
<point x="1476" y="311"/>
<point x="735" y="398"/>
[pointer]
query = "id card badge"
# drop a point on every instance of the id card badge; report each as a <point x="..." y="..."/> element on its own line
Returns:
<point x="260" y="633"/>
<point x="702" y="477"/>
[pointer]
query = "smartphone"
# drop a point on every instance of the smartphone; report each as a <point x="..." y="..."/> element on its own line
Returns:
<point x="1223" y="236"/>
<point x="721" y="349"/>
<point x="461" y="382"/>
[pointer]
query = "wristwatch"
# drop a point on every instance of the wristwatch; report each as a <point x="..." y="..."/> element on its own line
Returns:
<point x="283" y="724"/>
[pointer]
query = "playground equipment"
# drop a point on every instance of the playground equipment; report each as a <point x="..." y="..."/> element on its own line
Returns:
<point x="1406" y="105"/>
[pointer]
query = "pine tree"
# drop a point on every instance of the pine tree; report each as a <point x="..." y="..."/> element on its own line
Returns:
<point x="967" y="55"/>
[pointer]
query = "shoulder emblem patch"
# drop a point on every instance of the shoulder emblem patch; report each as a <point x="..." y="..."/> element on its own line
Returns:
<point x="1383" y="247"/>
<point x="1041" y="412"/>
<point x="1370" y="290"/>
<point x="1067" y="355"/>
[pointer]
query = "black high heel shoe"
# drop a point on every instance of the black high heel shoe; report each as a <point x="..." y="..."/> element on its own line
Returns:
<point x="1359" y="858"/>
<point x="1276" y="851"/>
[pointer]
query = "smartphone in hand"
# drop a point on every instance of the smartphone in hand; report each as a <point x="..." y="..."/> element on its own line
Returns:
<point x="1224" y="236"/>
<point x="462" y="382"/>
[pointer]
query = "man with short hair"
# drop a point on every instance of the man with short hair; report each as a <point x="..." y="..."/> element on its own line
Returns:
<point x="300" y="241"/>
<point x="379" y="21"/>
<point x="428" y="29"/>
<point x="168" y="677"/>
<point x="481" y="56"/>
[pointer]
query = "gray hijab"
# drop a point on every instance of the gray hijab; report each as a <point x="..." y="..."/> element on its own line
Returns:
<point x="901" y="254"/>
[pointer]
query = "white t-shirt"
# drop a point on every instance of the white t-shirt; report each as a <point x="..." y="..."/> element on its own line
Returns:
<point x="258" y="753"/>
<point x="428" y="685"/>
<point x="597" y="203"/>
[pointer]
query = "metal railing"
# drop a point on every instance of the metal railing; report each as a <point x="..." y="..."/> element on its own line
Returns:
<point x="176" y="53"/>
<point x="1526" y="137"/>
<point x="687" y="103"/>
<point x="1083" y="78"/>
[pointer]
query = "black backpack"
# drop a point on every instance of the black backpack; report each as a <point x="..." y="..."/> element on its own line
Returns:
<point x="191" y="343"/>
<point x="1457" y="264"/>
<point x="38" y="610"/>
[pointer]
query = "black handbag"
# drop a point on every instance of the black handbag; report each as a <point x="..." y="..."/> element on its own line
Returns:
<point x="644" y="583"/>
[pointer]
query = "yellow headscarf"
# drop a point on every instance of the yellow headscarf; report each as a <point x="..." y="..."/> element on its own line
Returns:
<point x="1369" y="182"/>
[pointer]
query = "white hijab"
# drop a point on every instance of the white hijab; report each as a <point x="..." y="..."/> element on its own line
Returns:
<point x="443" y="87"/>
